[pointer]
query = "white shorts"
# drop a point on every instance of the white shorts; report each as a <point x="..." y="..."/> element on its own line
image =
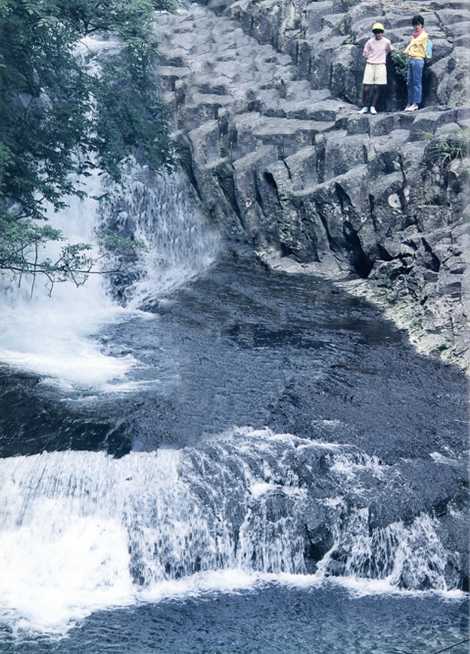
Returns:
<point x="375" y="74"/>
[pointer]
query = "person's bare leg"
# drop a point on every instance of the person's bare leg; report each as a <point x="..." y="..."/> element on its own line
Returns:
<point x="375" y="94"/>
<point x="365" y="98"/>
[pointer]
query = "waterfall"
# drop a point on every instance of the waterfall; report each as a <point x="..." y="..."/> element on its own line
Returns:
<point x="52" y="333"/>
<point x="402" y="556"/>
<point x="56" y="334"/>
<point x="93" y="531"/>
<point x="162" y="214"/>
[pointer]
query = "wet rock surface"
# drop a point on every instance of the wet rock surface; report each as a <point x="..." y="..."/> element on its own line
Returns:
<point x="264" y="96"/>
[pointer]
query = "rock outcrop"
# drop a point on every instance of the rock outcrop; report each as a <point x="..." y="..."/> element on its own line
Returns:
<point x="264" y="98"/>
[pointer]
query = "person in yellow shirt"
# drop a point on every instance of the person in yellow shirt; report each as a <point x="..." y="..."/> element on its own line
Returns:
<point x="416" y="51"/>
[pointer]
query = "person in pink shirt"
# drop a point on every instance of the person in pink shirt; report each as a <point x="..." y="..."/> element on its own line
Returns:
<point x="375" y="74"/>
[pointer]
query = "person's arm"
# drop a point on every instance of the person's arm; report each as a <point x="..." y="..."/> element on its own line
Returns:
<point x="424" y="44"/>
<point x="366" y="51"/>
<point x="389" y="47"/>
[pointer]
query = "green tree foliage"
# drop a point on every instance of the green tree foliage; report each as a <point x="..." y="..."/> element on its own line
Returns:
<point x="58" y="119"/>
<point x="130" y="117"/>
<point x="400" y="60"/>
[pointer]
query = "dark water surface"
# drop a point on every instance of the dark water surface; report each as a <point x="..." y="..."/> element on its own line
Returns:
<point x="244" y="346"/>
<point x="269" y="620"/>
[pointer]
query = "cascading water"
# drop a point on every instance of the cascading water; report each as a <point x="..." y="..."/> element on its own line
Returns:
<point x="55" y="334"/>
<point x="50" y="333"/>
<point x="162" y="214"/>
<point x="94" y="531"/>
<point x="411" y="556"/>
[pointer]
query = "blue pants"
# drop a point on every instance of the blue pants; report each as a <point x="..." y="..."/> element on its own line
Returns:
<point x="415" y="81"/>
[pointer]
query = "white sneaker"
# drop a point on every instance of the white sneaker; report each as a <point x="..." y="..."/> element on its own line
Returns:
<point x="373" y="111"/>
<point x="414" y="107"/>
<point x="407" y="108"/>
<point x="364" y="110"/>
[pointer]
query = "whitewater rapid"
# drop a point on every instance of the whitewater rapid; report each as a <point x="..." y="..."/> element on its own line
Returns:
<point x="82" y="531"/>
<point x="56" y="335"/>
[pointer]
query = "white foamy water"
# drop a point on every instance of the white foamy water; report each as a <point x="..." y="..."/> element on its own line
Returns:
<point x="52" y="334"/>
<point x="177" y="243"/>
<point x="55" y="335"/>
<point x="81" y="531"/>
<point x="395" y="556"/>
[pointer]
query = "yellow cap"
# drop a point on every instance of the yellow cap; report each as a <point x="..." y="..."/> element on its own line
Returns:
<point x="378" y="26"/>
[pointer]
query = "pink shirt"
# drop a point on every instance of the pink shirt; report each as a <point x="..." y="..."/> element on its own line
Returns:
<point x="376" y="50"/>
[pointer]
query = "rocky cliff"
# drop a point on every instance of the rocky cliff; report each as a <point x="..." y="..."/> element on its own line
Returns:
<point x="264" y="96"/>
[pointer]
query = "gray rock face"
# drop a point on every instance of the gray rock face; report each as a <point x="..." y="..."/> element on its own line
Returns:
<point x="264" y="97"/>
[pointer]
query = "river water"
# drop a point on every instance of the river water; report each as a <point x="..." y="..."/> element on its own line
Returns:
<point x="232" y="460"/>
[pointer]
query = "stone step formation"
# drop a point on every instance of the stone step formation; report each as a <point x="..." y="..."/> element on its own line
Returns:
<point x="264" y="100"/>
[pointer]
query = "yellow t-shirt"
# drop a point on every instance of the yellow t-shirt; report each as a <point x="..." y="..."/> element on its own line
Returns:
<point x="416" y="48"/>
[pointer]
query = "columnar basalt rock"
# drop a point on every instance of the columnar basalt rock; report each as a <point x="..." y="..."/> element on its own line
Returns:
<point x="266" y="126"/>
